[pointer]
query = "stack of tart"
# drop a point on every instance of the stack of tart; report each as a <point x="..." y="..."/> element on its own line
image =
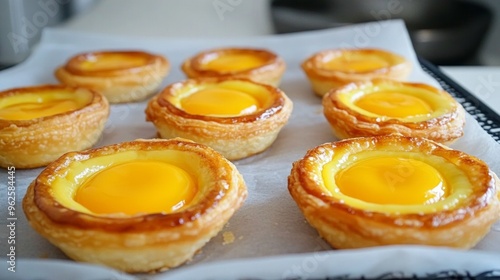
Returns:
<point x="145" y="205"/>
<point x="364" y="95"/>
<point x="150" y="205"/>
<point x="391" y="180"/>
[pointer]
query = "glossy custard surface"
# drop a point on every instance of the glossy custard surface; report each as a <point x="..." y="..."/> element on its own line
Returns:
<point x="233" y="62"/>
<point x="111" y="61"/>
<point x="406" y="103"/>
<point x="394" y="104"/>
<point x="230" y="98"/>
<point x="392" y="180"/>
<point x="146" y="176"/>
<point x="36" y="105"/>
<point x="220" y="102"/>
<point x="139" y="187"/>
<point x="354" y="62"/>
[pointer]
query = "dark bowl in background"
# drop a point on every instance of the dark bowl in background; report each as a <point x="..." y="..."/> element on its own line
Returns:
<point x="443" y="31"/>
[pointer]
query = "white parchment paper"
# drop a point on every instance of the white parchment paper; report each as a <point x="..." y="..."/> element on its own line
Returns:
<point x="269" y="223"/>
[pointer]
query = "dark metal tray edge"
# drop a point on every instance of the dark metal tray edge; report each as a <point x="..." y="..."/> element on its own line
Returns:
<point x="488" y="119"/>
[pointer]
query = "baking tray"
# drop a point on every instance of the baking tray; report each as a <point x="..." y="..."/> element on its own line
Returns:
<point x="269" y="227"/>
<point x="488" y="119"/>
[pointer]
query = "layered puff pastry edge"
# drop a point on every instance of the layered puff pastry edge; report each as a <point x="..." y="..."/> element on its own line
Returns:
<point x="121" y="76"/>
<point x="141" y="242"/>
<point x="38" y="124"/>
<point x="458" y="214"/>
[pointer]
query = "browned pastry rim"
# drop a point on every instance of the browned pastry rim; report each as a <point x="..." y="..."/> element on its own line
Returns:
<point x="36" y="142"/>
<point x="235" y="137"/>
<point x="314" y="65"/>
<point x="275" y="94"/>
<point x="73" y="64"/>
<point x="150" y="222"/>
<point x="323" y="79"/>
<point x="95" y="101"/>
<point x="345" y="226"/>
<point x="119" y="83"/>
<point x="346" y="122"/>
<point x="142" y="242"/>
<point x="269" y="72"/>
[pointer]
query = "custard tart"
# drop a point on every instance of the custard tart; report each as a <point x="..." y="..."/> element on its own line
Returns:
<point x="381" y="107"/>
<point x="385" y="190"/>
<point x="140" y="206"/>
<point x="258" y="65"/>
<point x="38" y="124"/>
<point x="121" y="76"/>
<point x="236" y="117"/>
<point x="331" y="69"/>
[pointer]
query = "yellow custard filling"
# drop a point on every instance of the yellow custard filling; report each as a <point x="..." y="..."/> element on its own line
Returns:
<point x="132" y="183"/>
<point x="225" y="99"/>
<point x="29" y="106"/>
<point x="355" y="62"/>
<point x="380" y="180"/>
<point x="137" y="188"/>
<point x="220" y="102"/>
<point x="233" y="62"/>
<point x="393" y="104"/>
<point x="111" y="61"/>
<point x="395" y="182"/>
<point x="396" y="101"/>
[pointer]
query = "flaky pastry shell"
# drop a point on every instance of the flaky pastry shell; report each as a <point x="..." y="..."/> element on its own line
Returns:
<point x="463" y="223"/>
<point x="234" y="137"/>
<point x="144" y="242"/>
<point x="444" y="125"/>
<point x="36" y="142"/>
<point x="118" y="83"/>
<point x="270" y="72"/>
<point x="323" y="79"/>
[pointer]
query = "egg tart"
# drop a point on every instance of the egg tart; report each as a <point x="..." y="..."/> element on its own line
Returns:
<point x="331" y="69"/>
<point x="38" y="124"/>
<point x="381" y="107"/>
<point x="121" y="76"/>
<point x="384" y="190"/>
<point x="236" y="117"/>
<point x="259" y="65"/>
<point x="139" y="206"/>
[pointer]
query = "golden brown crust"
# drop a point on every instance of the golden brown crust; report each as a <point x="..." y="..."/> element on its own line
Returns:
<point x="37" y="142"/>
<point x="143" y="243"/>
<point x="234" y="137"/>
<point x="347" y="123"/>
<point x="344" y="226"/>
<point x="324" y="80"/>
<point x="117" y="84"/>
<point x="268" y="73"/>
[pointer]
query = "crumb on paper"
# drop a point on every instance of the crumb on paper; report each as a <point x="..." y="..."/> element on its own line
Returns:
<point x="228" y="237"/>
<point x="319" y="110"/>
<point x="44" y="255"/>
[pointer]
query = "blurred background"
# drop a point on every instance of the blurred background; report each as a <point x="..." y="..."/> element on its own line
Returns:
<point x="446" y="32"/>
